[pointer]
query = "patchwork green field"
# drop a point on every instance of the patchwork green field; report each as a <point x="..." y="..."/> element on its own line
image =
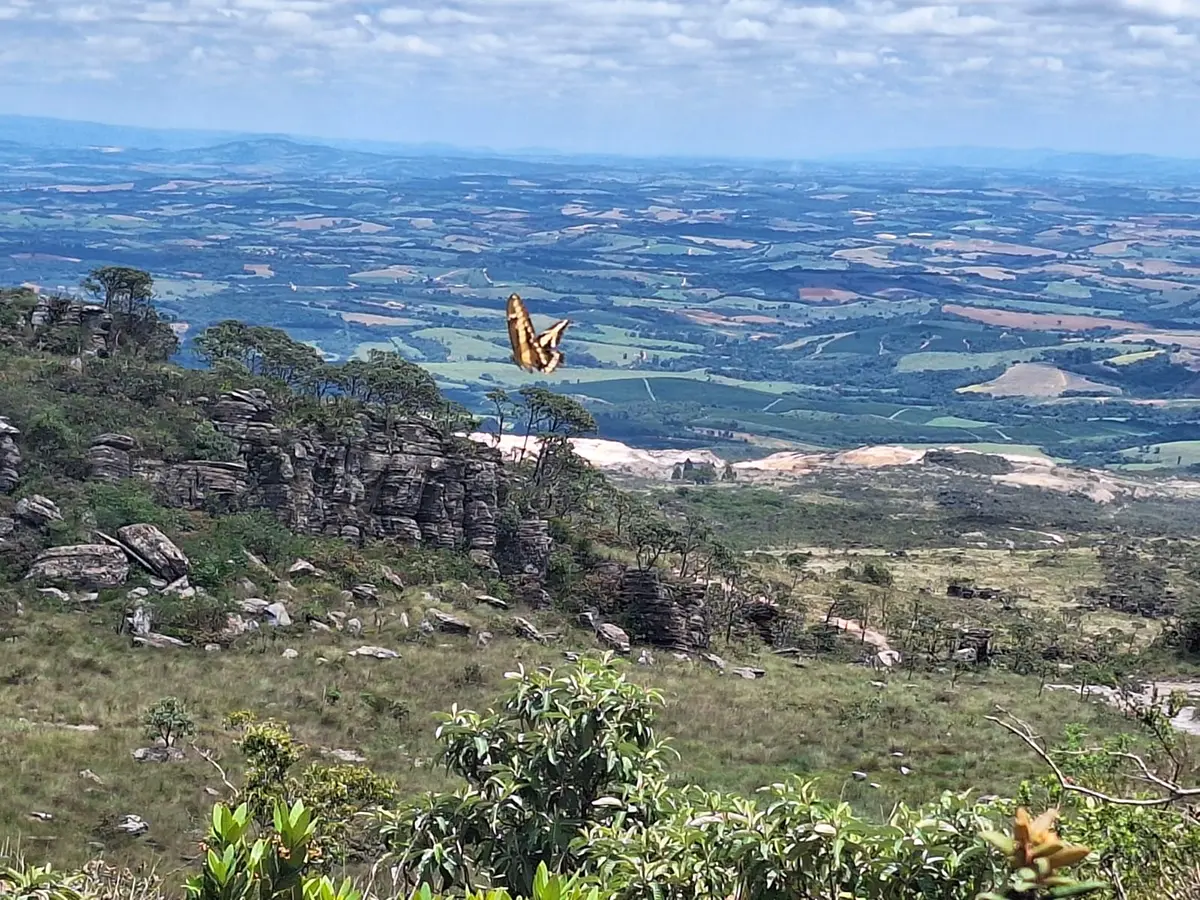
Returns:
<point x="839" y="300"/>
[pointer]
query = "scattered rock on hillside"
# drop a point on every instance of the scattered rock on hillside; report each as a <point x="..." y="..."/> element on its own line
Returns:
<point x="134" y="825"/>
<point x="613" y="637"/>
<point x="749" y="672"/>
<point x="254" y="606"/>
<point x="346" y="756"/>
<point x="37" y="510"/>
<point x="365" y="593"/>
<point x="448" y="623"/>
<point x="83" y="565"/>
<point x="304" y="567"/>
<point x="391" y="578"/>
<point x="713" y="660"/>
<point x="149" y="543"/>
<point x="483" y="639"/>
<point x="158" y="641"/>
<point x="158" y="754"/>
<point x="277" y="615"/>
<point x="290" y="653"/>
<point x="492" y="601"/>
<point x="140" y="620"/>
<point x="375" y="652"/>
<point x="526" y="629"/>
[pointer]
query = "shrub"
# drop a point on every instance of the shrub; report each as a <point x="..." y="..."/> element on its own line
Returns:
<point x="168" y="720"/>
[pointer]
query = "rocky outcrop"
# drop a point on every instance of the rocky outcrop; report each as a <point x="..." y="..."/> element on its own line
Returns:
<point x="37" y="511"/>
<point x="409" y="482"/>
<point x="82" y="565"/>
<point x="665" y="613"/>
<point x="10" y="457"/>
<point x="110" y="458"/>
<point x="156" y="550"/>
<point x="526" y="550"/>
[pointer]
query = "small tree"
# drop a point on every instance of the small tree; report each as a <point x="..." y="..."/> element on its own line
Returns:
<point x="168" y="720"/>
<point x="564" y="751"/>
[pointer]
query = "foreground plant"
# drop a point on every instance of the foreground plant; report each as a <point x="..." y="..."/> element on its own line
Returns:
<point x="1037" y="856"/>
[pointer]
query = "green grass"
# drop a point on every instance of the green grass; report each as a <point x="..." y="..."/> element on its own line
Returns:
<point x="1168" y="455"/>
<point x="932" y="360"/>
<point x="957" y="422"/>
<point x="71" y="669"/>
<point x="463" y="344"/>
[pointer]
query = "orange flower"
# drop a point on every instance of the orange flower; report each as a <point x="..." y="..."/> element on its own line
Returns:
<point x="1030" y="835"/>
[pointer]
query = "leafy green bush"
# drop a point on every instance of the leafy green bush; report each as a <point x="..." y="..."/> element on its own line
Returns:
<point x="128" y="502"/>
<point x="562" y="753"/>
<point x="168" y="720"/>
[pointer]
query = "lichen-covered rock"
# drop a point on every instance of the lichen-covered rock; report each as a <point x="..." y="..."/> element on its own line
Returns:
<point x="109" y="457"/>
<point x="37" y="510"/>
<point x="10" y="457"/>
<point x="82" y="565"/>
<point x="156" y="549"/>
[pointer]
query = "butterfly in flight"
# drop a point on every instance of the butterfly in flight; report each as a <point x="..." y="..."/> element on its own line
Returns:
<point x="533" y="351"/>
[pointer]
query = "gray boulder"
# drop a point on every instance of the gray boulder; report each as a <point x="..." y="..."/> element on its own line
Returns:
<point x="82" y="565"/>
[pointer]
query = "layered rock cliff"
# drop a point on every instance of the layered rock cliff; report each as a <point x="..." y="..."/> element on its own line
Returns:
<point x="407" y="482"/>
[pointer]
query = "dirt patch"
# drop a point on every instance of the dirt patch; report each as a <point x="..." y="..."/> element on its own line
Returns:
<point x="992" y="273"/>
<point x="726" y="243"/>
<point x="1159" y="267"/>
<point x="1190" y="339"/>
<point x="43" y="257"/>
<point x="389" y="272"/>
<point x="371" y="319"/>
<point x="316" y="223"/>
<point x="365" y="228"/>
<point x="1037" y="380"/>
<point x="259" y="270"/>
<point x="665" y="213"/>
<point x="826" y="295"/>
<point x="867" y="256"/>
<point x="1005" y="318"/>
<point x="90" y="188"/>
<point x="998" y="248"/>
<point x="178" y="186"/>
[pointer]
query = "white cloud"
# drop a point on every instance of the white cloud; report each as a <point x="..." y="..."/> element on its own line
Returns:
<point x="855" y="58"/>
<point x="935" y="20"/>
<point x="743" y="30"/>
<point x="687" y="42"/>
<point x="814" y="16"/>
<point x="1164" y="35"/>
<point x="499" y="59"/>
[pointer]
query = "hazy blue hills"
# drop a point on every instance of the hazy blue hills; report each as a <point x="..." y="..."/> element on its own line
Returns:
<point x="85" y="142"/>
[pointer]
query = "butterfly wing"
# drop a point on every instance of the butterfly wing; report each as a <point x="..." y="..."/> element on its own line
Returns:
<point x="522" y="335"/>
<point x="549" y="339"/>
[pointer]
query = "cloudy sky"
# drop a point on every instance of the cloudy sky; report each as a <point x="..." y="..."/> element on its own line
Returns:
<point x="780" y="78"/>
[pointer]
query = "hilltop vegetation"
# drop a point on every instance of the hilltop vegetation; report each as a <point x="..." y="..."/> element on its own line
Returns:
<point x="350" y="568"/>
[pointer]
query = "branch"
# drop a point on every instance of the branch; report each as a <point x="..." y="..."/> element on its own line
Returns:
<point x="207" y="757"/>
<point x="1173" y="792"/>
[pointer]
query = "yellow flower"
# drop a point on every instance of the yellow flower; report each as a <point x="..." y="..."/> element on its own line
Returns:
<point x="1036" y="839"/>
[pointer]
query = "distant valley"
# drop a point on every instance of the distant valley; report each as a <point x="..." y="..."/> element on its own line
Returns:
<point x="742" y="308"/>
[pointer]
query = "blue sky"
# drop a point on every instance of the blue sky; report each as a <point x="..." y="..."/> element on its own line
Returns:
<point x="744" y="77"/>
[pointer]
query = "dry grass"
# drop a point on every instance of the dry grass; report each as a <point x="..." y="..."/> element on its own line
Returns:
<point x="826" y="720"/>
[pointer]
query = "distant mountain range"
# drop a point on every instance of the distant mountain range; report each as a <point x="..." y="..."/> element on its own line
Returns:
<point x="85" y="143"/>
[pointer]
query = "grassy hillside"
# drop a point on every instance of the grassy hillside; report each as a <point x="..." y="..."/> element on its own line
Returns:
<point x="76" y="686"/>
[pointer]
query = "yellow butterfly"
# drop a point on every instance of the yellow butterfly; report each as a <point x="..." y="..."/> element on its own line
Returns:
<point x="533" y="351"/>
